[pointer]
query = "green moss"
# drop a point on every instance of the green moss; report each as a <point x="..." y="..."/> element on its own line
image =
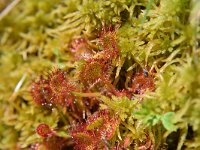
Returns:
<point x="162" y="35"/>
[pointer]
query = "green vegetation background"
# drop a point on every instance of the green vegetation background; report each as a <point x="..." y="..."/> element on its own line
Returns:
<point x="165" y="34"/>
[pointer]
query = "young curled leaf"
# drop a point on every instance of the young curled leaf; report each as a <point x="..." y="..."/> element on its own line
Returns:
<point x="44" y="130"/>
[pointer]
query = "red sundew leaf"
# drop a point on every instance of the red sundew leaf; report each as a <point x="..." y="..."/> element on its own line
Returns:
<point x="99" y="127"/>
<point x="55" y="143"/>
<point x="44" y="130"/>
<point x="81" y="49"/>
<point x="120" y="93"/>
<point x="86" y="138"/>
<point x="94" y="71"/>
<point x="53" y="91"/>
<point x="142" y="81"/>
<point x="127" y="142"/>
<point x="83" y="138"/>
<point x="52" y="143"/>
<point x="91" y="72"/>
<point x="109" y="125"/>
<point x="50" y="140"/>
<point x="41" y="92"/>
<point x="61" y="88"/>
<point x="34" y="146"/>
<point x="118" y="147"/>
<point x="95" y="123"/>
<point x="146" y="144"/>
<point x="109" y="43"/>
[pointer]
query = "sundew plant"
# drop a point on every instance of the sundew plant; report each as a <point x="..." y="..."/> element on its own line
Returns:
<point x="100" y="74"/>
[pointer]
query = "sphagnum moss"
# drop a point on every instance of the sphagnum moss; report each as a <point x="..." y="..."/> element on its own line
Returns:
<point x="117" y="74"/>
